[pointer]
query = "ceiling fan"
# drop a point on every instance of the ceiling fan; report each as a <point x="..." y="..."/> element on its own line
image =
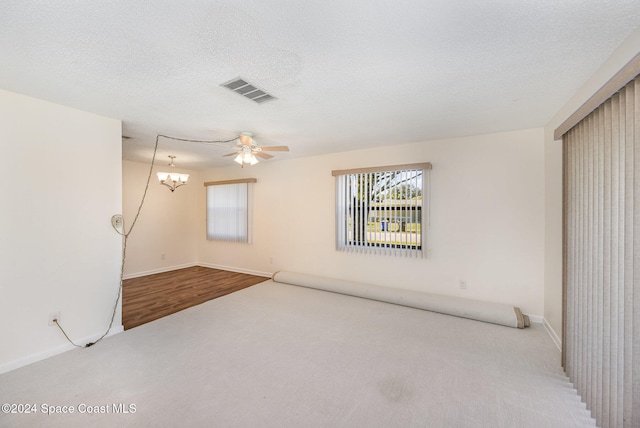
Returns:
<point x="247" y="151"/>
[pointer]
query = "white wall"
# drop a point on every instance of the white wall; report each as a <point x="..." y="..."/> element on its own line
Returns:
<point x="487" y="219"/>
<point x="58" y="251"/>
<point x="167" y="222"/>
<point x="553" y="179"/>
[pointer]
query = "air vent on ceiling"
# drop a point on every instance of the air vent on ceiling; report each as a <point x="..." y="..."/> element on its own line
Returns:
<point x="248" y="90"/>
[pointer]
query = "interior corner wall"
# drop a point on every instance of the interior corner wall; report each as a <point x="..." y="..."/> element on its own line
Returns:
<point x="553" y="178"/>
<point x="487" y="219"/>
<point x="164" y="237"/>
<point x="58" y="250"/>
<point x="553" y="238"/>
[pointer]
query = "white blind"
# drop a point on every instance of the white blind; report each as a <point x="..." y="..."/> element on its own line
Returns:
<point x="229" y="212"/>
<point x="382" y="210"/>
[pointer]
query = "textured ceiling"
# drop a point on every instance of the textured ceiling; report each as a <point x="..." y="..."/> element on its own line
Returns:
<point x="347" y="74"/>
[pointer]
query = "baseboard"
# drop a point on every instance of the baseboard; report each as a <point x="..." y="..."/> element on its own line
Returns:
<point x="160" y="270"/>
<point x="552" y="333"/>
<point x="535" y="318"/>
<point x="238" y="270"/>
<point x="554" y="337"/>
<point x="33" y="358"/>
<point x="30" y="359"/>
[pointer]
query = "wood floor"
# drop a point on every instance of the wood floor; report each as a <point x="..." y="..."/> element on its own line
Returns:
<point x="150" y="297"/>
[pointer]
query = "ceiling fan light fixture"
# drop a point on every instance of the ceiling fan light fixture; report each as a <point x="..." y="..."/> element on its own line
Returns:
<point x="246" y="158"/>
<point x="247" y="150"/>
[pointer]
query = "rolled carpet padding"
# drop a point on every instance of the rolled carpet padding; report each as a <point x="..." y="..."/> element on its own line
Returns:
<point x="496" y="313"/>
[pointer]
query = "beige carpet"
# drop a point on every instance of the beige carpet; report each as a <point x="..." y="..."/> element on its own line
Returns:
<point x="277" y="355"/>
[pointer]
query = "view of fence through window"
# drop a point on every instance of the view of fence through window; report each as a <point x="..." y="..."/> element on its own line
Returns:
<point x="383" y="209"/>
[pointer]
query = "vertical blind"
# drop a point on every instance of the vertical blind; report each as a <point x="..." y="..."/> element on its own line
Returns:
<point x="382" y="210"/>
<point x="601" y="345"/>
<point x="229" y="211"/>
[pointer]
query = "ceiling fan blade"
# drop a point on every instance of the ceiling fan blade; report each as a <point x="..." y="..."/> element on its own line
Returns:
<point x="246" y="138"/>
<point x="230" y="154"/>
<point x="275" y="148"/>
<point x="263" y="155"/>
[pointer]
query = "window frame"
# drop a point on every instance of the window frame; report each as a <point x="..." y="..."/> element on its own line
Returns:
<point x="246" y="212"/>
<point x="345" y="213"/>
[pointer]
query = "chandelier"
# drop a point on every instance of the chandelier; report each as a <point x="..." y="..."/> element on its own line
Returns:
<point x="172" y="179"/>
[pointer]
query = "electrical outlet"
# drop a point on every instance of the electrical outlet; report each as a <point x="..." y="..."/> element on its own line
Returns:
<point x="463" y="284"/>
<point x="163" y="256"/>
<point x="54" y="316"/>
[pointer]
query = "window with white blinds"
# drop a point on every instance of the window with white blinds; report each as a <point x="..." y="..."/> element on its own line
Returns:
<point x="229" y="210"/>
<point x="383" y="210"/>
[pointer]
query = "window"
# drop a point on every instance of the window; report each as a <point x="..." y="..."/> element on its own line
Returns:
<point x="382" y="210"/>
<point x="229" y="210"/>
